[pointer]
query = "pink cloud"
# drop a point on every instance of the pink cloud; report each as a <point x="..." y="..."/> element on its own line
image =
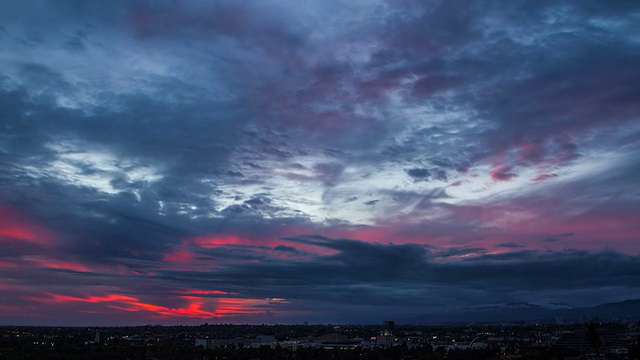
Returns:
<point x="64" y="265"/>
<point x="195" y="307"/>
<point x="530" y="152"/>
<point x="543" y="177"/>
<point x="14" y="226"/>
<point x="502" y="172"/>
<point x="133" y="304"/>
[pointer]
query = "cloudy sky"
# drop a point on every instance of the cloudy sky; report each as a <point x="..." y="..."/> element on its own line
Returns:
<point x="334" y="161"/>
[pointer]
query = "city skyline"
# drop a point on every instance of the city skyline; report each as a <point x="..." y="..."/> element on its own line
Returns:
<point x="184" y="162"/>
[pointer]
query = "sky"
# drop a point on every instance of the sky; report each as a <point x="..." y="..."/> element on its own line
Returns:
<point x="334" y="161"/>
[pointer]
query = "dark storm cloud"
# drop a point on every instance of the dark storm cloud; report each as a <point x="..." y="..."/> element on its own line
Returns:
<point x="419" y="174"/>
<point x="564" y="97"/>
<point x="121" y="131"/>
<point x="285" y="248"/>
<point x="455" y="252"/>
<point x="360" y="270"/>
<point x="558" y="237"/>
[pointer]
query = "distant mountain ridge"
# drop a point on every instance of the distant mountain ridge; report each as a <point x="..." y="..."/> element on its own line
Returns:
<point x="627" y="309"/>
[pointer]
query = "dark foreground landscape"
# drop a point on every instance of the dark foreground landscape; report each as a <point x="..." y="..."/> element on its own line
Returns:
<point x="519" y="340"/>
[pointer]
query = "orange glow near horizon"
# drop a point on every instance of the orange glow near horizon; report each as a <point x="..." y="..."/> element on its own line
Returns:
<point x="193" y="309"/>
<point x="215" y="241"/>
<point x="133" y="304"/>
<point x="92" y="299"/>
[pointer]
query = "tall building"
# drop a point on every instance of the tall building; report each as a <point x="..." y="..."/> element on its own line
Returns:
<point x="386" y="338"/>
<point x="579" y="341"/>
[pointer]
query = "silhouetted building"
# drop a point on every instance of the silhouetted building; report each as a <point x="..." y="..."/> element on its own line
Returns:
<point x="579" y="341"/>
<point x="333" y="338"/>
<point x="385" y="339"/>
